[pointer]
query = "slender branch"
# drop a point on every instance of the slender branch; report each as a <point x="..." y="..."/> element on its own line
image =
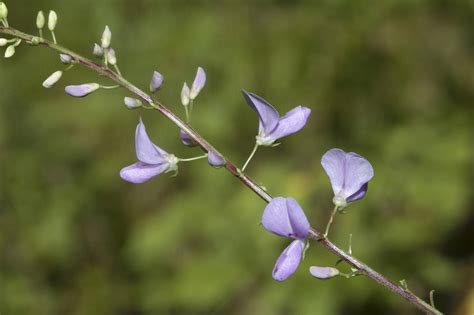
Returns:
<point x="246" y="180"/>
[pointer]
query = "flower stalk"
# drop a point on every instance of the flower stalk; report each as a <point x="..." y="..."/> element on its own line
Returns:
<point x="313" y="234"/>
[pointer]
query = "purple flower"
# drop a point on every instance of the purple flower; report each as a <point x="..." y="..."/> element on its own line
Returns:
<point x="198" y="84"/>
<point x="81" y="90"/>
<point x="284" y="217"/>
<point x="271" y="126"/>
<point x="186" y="139"/>
<point x="156" y="81"/>
<point x="349" y="174"/>
<point x="152" y="160"/>
<point x="215" y="160"/>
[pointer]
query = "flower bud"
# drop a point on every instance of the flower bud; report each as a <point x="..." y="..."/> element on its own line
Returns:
<point x="52" y="20"/>
<point x="52" y="79"/>
<point x="198" y="84"/>
<point x="215" y="160"/>
<point x="98" y="51"/>
<point x="3" y="11"/>
<point x="3" y="42"/>
<point x="156" y="81"/>
<point x="81" y="90"/>
<point x="132" y="103"/>
<point x="111" y="58"/>
<point x="65" y="59"/>
<point x="10" y="51"/>
<point x="323" y="273"/>
<point x="40" y="20"/>
<point x="106" y="37"/>
<point x="185" y="95"/>
<point x="186" y="139"/>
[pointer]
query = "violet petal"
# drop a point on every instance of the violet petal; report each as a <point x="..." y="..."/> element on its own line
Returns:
<point x="141" y="172"/>
<point x="360" y="194"/>
<point x="358" y="172"/>
<point x="288" y="261"/>
<point x="198" y="83"/>
<point x="292" y="122"/>
<point x="284" y="217"/>
<point x="156" y="81"/>
<point x="147" y="151"/>
<point x="82" y="89"/>
<point x="215" y="160"/>
<point x="333" y="162"/>
<point x="267" y="115"/>
<point x="186" y="139"/>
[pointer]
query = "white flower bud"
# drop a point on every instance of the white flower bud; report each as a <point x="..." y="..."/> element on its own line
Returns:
<point x="106" y="37"/>
<point x="111" y="58"/>
<point x="132" y="103"/>
<point x="3" y="42"/>
<point x="40" y="20"/>
<point x="98" y="51"/>
<point x="3" y="11"/>
<point x="52" y="79"/>
<point x="65" y="59"/>
<point x="52" y="20"/>
<point x="10" y="51"/>
<point x="185" y="95"/>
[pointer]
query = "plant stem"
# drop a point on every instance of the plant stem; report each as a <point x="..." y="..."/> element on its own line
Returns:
<point x="246" y="180"/>
<point x="250" y="157"/>
<point x="328" y="226"/>
<point x="193" y="159"/>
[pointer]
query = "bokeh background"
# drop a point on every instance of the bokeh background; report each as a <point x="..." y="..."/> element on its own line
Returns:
<point x="391" y="80"/>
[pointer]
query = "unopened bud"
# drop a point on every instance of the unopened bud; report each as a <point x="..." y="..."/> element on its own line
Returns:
<point x="52" y="20"/>
<point x="65" y="59"/>
<point x="185" y="95"/>
<point x="198" y="84"/>
<point x="106" y="37"/>
<point x="10" y="51"/>
<point x="40" y="20"/>
<point x="186" y="139"/>
<point x="156" y="81"/>
<point x="323" y="273"/>
<point x="98" y="51"/>
<point x="111" y="58"/>
<point x="52" y="79"/>
<point x="3" y="11"/>
<point x="132" y="103"/>
<point x="81" y="90"/>
<point x="215" y="160"/>
<point x="3" y="42"/>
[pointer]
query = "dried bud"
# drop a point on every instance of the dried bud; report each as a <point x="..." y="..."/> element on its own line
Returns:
<point x="215" y="160"/>
<point x="111" y="58"/>
<point x="132" y="103"/>
<point x="323" y="273"/>
<point x="65" y="59"/>
<point x="52" y="20"/>
<point x="186" y="139"/>
<point x="156" y="81"/>
<point x="52" y="79"/>
<point x="10" y="51"/>
<point x="185" y="95"/>
<point x="3" y="11"/>
<point x="3" y="42"/>
<point x="81" y="90"/>
<point x="98" y="51"/>
<point x="106" y="37"/>
<point x="40" y="20"/>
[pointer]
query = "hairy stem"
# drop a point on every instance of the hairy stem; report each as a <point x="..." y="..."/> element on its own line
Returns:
<point x="246" y="180"/>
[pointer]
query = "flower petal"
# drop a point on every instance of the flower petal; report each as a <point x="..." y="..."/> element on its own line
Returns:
<point x="288" y="261"/>
<point x="82" y="89"/>
<point x="323" y="273"/>
<point x="147" y="151"/>
<point x="141" y="172"/>
<point x="284" y="217"/>
<point x="333" y="162"/>
<point x="358" y="195"/>
<point x="156" y="81"/>
<point x="198" y="83"/>
<point x="267" y="114"/>
<point x="215" y="160"/>
<point x="358" y="172"/>
<point x="292" y="122"/>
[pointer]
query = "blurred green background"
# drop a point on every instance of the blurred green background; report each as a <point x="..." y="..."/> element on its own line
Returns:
<point x="390" y="80"/>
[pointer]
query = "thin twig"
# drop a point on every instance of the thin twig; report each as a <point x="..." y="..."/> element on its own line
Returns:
<point x="246" y="180"/>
